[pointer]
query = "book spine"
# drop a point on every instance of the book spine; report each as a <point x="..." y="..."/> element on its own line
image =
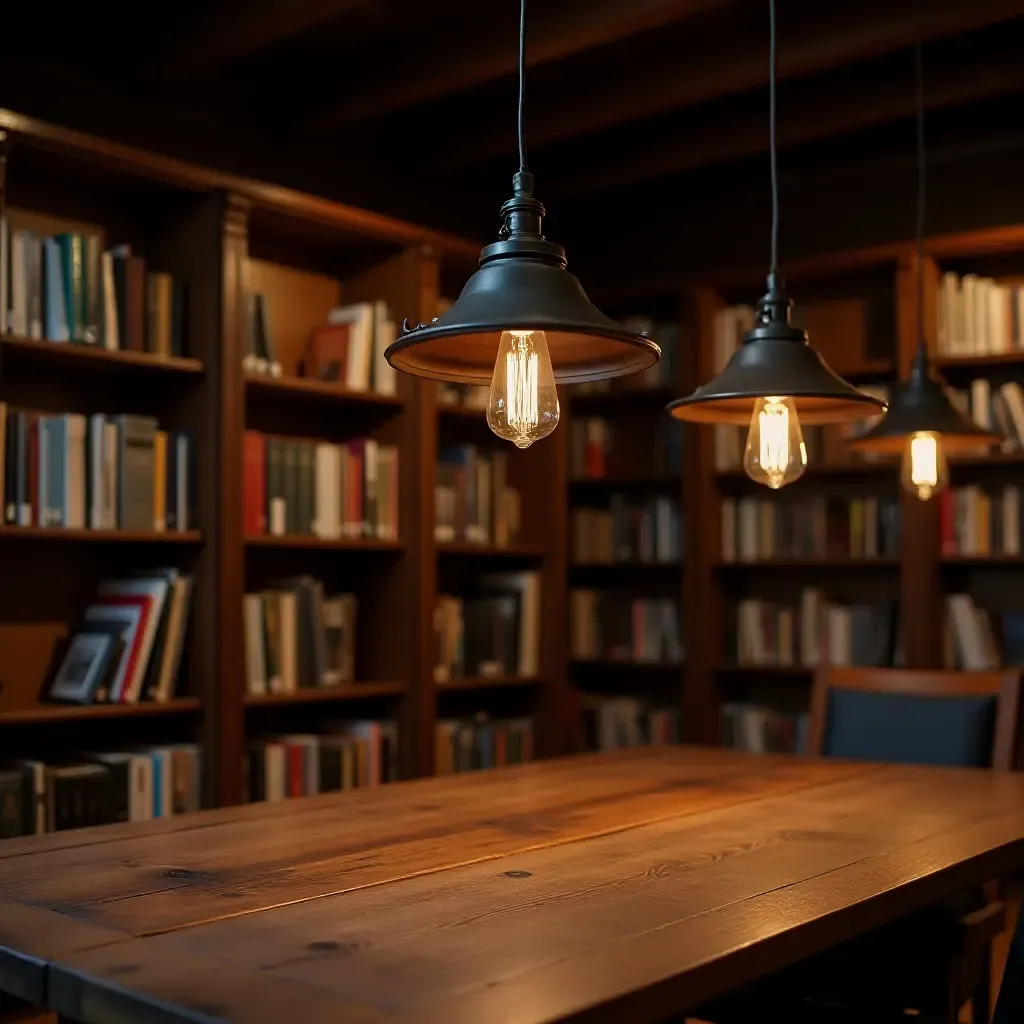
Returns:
<point x="136" y="440"/>
<point x="255" y="497"/>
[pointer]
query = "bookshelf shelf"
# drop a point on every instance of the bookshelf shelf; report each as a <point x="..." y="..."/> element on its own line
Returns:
<point x="487" y="683"/>
<point x="463" y="549"/>
<point x="305" y="389"/>
<point x="782" y="671"/>
<point x="621" y="398"/>
<point x="300" y="541"/>
<point x="627" y="567"/>
<point x="996" y="360"/>
<point x="982" y="561"/>
<point x="623" y="666"/>
<point x="835" y="471"/>
<point x="50" y="533"/>
<point x="327" y="695"/>
<point x="83" y="357"/>
<point x="639" y="483"/>
<point x="818" y="564"/>
<point x="462" y="412"/>
<point x="64" y="713"/>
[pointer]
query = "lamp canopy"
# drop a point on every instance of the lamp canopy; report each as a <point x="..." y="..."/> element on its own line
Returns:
<point x="522" y="285"/>
<point x="921" y="405"/>
<point x="776" y="359"/>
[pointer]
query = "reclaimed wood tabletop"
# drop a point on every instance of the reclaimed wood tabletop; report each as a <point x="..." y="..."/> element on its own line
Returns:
<point x="625" y="886"/>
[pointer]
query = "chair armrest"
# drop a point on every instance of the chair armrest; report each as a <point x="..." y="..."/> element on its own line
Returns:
<point x="981" y="926"/>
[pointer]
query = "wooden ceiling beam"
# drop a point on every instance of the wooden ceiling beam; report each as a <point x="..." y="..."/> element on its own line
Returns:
<point x="833" y="37"/>
<point x="219" y="33"/>
<point x="862" y="102"/>
<point x="558" y="30"/>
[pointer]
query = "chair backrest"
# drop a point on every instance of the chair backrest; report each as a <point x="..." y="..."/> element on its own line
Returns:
<point x="958" y="719"/>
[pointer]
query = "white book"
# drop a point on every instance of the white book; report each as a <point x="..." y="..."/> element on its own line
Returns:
<point x="360" y="318"/>
<point x="327" y="523"/>
<point x="981" y="402"/>
<point x="275" y="783"/>
<point x="998" y="319"/>
<point x="34" y="275"/>
<point x="968" y="284"/>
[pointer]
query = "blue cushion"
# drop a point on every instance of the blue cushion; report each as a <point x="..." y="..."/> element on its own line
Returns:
<point x="953" y="731"/>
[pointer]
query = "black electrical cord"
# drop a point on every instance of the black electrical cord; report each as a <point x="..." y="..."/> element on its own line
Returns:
<point x="921" y="164"/>
<point x="522" y="83"/>
<point x="771" y="136"/>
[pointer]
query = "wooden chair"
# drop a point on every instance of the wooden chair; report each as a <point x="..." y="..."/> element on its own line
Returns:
<point x="937" y="960"/>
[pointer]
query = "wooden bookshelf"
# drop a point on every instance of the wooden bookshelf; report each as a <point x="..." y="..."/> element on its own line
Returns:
<point x="299" y="541"/>
<point x="72" y="713"/>
<point x="63" y="534"/>
<point x="467" y="683"/>
<point x="467" y="549"/>
<point x="304" y="390"/>
<point x="327" y="695"/>
<point x="81" y="357"/>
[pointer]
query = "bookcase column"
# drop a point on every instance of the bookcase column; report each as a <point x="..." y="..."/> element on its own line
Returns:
<point x="222" y="635"/>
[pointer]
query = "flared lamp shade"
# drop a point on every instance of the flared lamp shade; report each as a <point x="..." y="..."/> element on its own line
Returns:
<point x="776" y="359"/>
<point x="921" y="405"/>
<point x="522" y="285"/>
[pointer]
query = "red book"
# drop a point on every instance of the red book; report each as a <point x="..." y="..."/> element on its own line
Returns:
<point x="296" y="769"/>
<point x="947" y="523"/>
<point x="254" y="484"/>
<point x="145" y="603"/>
<point x="326" y="354"/>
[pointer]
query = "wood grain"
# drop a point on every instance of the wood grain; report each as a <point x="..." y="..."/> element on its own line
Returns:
<point x="166" y="875"/>
<point x="635" y="924"/>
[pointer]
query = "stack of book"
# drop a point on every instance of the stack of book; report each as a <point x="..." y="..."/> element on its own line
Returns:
<point x="762" y="730"/>
<point x="617" y="627"/>
<point x="347" y="350"/>
<point x="979" y="640"/>
<point x="67" y="470"/>
<point x="664" y="373"/>
<point x="617" y="723"/>
<point x="298" y="638"/>
<point x="462" y="396"/>
<point x="979" y="316"/>
<point x="293" y="486"/>
<point x="977" y="522"/>
<point x="771" y="634"/>
<point x="99" y="789"/>
<point x="592" y="442"/>
<point x="494" y="632"/>
<point x="650" y="531"/>
<point x="348" y="755"/>
<point x="1000" y="410"/>
<point x="473" y="501"/>
<point x="470" y="744"/>
<point x="128" y="646"/>
<point x="67" y="289"/>
<point x="820" y="528"/>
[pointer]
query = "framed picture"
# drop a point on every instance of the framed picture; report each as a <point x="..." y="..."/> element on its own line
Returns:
<point x="85" y="669"/>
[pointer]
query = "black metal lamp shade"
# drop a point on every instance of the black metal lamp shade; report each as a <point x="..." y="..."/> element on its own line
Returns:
<point x="522" y="284"/>
<point x="776" y="359"/>
<point x="922" y="406"/>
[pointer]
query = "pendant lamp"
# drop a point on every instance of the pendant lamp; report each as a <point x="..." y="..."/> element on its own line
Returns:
<point x="775" y="381"/>
<point x="522" y="324"/>
<point x="922" y="424"/>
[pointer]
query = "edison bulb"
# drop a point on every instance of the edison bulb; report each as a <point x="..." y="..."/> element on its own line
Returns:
<point x="522" y="406"/>
<point x="775" y="454"/>
<point x="925" y="471"/>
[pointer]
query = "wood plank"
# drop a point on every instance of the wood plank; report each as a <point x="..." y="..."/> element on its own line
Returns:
<point x="164" y="875"/>
<point x="633" y="925"/>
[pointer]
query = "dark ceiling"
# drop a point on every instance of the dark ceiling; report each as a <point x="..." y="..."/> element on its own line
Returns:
<point x="646" y="119"/>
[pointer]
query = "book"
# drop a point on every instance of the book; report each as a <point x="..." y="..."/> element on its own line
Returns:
<point x="473" y="502"/>
<point x="480" y="742"/>
<point x="628" y="530"/>
<point x="619" y="723"/>
<point x="624" y="627"/>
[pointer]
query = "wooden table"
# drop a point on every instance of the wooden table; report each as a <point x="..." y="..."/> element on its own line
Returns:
<point x="616" y="887"/>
